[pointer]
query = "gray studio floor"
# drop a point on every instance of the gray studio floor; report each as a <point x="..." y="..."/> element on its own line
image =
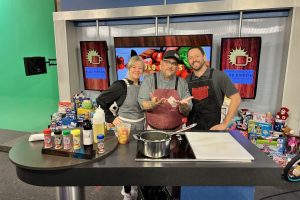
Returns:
<point x="11" y="188"/>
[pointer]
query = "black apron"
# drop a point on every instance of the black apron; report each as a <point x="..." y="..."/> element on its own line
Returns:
<point x="206" y="110"/>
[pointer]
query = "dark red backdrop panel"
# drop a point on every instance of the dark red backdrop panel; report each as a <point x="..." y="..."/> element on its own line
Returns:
<point x="95" y="65"/>
<point x="240" y="61"/>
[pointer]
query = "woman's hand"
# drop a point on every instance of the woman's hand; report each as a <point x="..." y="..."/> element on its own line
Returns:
<point x="117" y="121"/>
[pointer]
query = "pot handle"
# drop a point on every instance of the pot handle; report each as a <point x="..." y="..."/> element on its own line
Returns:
<point x="136" y="136"/>
<point x="186" y="128"/>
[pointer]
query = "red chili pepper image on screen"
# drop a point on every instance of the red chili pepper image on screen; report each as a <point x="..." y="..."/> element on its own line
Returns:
<point x="120" y="63"/>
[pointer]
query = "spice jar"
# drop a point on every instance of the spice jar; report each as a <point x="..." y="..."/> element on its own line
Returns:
<point x="47" y="138"/>
<point x="100" y="143"/>
<point x="76" y="139"/>
<point x="67" y="142"/>
<point x="57" y="139"/>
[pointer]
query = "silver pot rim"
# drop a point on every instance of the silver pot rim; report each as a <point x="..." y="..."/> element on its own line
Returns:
<point x="149" y="131"/>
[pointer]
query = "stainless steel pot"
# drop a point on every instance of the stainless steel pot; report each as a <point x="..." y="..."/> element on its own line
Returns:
<point x="154" y="144"/>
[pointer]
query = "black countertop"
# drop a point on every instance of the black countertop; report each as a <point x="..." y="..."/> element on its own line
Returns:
<point x="120" y="168"/>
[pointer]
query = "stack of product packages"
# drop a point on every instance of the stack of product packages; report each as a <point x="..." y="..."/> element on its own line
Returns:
<point x="83" y="119"/>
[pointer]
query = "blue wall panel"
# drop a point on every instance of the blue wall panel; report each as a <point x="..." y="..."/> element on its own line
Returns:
<point x="67" y="5"/>
<point x="180" y="19"/>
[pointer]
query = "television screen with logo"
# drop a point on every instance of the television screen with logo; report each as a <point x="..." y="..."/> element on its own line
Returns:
<point x="94" y="65"/>
<point x="152" y="48"/>
<point x="240" y="61"/>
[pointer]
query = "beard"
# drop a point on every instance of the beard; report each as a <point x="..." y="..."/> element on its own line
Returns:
<point x="197" y="68"/>
<point x="168" y="74"/>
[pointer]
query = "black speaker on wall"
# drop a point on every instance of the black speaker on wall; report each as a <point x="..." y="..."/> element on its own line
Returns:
<point x="35" y="65"/>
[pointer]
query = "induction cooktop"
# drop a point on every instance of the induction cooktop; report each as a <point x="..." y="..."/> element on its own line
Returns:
<point x="180" y="150"/>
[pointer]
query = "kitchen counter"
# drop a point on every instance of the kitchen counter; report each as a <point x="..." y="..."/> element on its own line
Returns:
<point x="120" y="168"/>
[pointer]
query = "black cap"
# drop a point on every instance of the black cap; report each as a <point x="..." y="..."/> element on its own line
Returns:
<point x="172" y="54"/>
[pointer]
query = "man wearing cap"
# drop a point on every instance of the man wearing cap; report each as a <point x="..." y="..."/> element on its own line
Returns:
<point x="165" y="96"/>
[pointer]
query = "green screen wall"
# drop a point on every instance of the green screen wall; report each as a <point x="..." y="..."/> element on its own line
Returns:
<point x="26" y="30"/>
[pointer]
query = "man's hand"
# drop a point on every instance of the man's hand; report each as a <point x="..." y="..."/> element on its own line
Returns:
<point x="153" y="103"/>
<point x="156" y="100"/>
<point x="219" y="127"/>
<point x="184" y="105"/>
<point x="233" y="106"/>
<point x="184" y="101"/>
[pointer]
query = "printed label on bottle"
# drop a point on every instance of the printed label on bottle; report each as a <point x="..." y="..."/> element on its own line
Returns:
<point x="67" y="142"/>
<point x="76" y="142"/>
<point x="47" y="141"/>
<point x="57" y="142"/>
<point x="100" y="146"/>
<point x="98" y="129"/>
<point x="87" y="137"/>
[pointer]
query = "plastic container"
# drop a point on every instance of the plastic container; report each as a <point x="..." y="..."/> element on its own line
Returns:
<point x="76" y="139"/>
<point x="123" y="132"/>
<point x="100" y="143"/>
<point x="67" y="142"/>
<point x="98" y="123"/>
<point x="57" y="139"/>
<point x="47" y="138"/>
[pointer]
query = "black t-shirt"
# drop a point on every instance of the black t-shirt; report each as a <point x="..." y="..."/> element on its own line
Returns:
<point x="222" y="84"/>
<point x="115" y="93"/>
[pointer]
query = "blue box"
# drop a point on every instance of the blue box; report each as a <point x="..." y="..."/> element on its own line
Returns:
<point x="263" y="130"/>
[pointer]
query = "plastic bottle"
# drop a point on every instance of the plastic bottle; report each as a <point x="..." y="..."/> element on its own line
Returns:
<point x="76" y="139"/>
<point x="100" y="143"/>
<point x="98" y="123"/>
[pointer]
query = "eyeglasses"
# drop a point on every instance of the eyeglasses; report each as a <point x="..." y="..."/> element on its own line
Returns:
<point x="169" y="63"/>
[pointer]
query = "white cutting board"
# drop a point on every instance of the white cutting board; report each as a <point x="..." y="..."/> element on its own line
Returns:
<point x="210" y="146"/>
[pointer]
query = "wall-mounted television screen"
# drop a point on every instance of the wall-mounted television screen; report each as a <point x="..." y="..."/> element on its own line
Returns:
<point x="240" y="61"/>
<point x="152" y="49"/>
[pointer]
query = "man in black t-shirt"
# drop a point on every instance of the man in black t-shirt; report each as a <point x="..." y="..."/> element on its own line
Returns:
<point x="208" y="87"/>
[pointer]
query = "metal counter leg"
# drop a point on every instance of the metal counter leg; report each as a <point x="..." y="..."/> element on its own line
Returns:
<point x="70" y="193"/>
